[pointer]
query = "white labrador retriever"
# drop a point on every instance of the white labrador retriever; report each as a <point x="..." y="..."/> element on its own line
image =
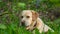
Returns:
<point x="31" y="20"/>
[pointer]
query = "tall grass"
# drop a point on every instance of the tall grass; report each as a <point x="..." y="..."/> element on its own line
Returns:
<point x="13" y="28"/>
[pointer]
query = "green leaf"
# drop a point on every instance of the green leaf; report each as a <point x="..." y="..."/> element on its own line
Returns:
<point x="2" y="26"/>
<point x="21" y="5"/>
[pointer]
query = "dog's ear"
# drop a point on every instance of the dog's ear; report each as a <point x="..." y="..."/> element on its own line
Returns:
<point x="34" y="15"/>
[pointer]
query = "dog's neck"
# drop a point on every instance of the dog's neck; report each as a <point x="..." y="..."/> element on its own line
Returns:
<point x="33" y="24"/>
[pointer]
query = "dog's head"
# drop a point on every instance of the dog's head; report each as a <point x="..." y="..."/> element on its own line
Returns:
<point x="27" y="16"/>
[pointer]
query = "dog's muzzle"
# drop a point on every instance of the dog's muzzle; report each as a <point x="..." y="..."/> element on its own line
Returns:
<point x="23" y="23"/>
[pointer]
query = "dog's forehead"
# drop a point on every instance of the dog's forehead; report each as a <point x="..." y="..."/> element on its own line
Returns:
<point x="26" y="12"/>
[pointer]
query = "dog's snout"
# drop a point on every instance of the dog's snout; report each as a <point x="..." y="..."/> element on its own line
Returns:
<point x="23" y="23"/>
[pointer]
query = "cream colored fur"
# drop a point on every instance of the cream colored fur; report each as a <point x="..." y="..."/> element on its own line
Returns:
<point x="40" y="24"/>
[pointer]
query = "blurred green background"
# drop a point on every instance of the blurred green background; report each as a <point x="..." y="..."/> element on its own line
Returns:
<point x="49" y="11"/>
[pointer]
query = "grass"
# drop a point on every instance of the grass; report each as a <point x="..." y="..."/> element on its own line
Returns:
<point x="13" y="28"/>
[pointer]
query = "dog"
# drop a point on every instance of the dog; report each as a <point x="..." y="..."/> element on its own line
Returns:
<point x="30" y="19"/>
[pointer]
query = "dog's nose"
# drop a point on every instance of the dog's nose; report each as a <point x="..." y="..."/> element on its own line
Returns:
<point x="23" y="24"/>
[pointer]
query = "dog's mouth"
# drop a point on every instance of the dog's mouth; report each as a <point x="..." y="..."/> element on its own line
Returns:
<point x="23" y="24"/>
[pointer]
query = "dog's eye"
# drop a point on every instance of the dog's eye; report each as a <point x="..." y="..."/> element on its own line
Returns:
<point x="21" y="16"/>
<point x="27" y="16"/>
